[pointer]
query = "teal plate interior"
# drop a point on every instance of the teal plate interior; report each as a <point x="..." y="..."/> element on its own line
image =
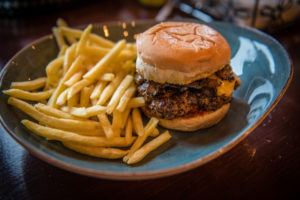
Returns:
<point x="261" y="62"/>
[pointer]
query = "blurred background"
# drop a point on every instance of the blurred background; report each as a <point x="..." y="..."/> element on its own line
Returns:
<point x="25" y="20"/>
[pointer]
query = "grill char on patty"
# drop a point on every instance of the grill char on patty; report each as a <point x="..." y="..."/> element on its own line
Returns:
<point x="169" y="101"/>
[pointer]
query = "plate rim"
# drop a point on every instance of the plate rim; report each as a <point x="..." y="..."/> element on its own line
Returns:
<point x="156" y="173"/>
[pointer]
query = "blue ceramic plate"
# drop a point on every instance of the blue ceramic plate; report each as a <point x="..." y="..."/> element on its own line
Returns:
<point x="261" y="62"/>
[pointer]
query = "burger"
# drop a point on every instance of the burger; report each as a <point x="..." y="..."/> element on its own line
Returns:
<point x="184" y="74"/>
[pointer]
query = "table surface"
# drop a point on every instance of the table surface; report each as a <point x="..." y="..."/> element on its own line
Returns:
<point x="266" y="164"/>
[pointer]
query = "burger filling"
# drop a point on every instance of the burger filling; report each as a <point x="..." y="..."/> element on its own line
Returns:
<point x="169" y="101"/>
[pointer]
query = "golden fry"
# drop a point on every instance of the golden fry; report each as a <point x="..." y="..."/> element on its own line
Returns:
<point x="73" y="79"/>
<point x="136" y="102"/>
<point x="100" y="152"/>
<point x="63" y="50"/>
<point x="62" y="98"/>
<point x="141" y="139"/>
<point x="85" y="96"/>
<point x="107" y="127"/>
<point x="73" y="101"/>
<point x="87" y="112"/>
<point x="29" y="85"/>
<point x="67" y="124"/>
<point x="32" y="96"/>
<point x="137" y="122"/>
<point x="150" y="146"/>
<point x="100" y="66"/>
<point x="98" y="90"/>
<point x="48" y="110"/>
<point x="78" y="86"/>
<point x="62" y="23"/>
<point x="69" y="57"/>
<point x="67" y="136"/>
<point x="58" y="36"/>
<point x="107" y="77"/>
<point x="73" y="69"/>
<point x="109" y="89"/>
<point x="118" y="93"/>
<point x="93" y="37"/>
<point x="83" y="39"/>
<point x="128" y="130"/>
<point x="52" y="70"/>
<point x="126" y="98"/>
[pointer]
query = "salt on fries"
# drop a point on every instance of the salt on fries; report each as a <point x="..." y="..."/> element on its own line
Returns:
<point x="91" y="104"/>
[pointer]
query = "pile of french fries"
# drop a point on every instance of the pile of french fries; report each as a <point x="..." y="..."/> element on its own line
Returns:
<point x="87" y="99"/>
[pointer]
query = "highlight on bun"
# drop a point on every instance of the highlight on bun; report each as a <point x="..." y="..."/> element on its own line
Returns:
<point x="180" y="52"/>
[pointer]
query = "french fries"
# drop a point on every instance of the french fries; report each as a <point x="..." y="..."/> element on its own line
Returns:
<point x="150" y="146"/>
<point x="66" y="124"/>
<point x="87" y="99"/>
<point x="67" y="136"/>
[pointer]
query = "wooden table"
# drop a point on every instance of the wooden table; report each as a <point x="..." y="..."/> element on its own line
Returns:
<point x="264" y="165"/>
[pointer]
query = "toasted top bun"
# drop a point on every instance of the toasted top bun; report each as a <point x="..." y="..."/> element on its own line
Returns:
<point x="180" y="52"/>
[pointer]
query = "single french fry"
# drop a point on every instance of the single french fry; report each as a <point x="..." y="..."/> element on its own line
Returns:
<point x="29" y="85"/>
<point x="100" y="152"/>
<point x="93" y="37"/>
<point x="96" y="132"/>
<point x="87" y="112"/>
<point x="150" y="146"/>
<point x="63" y="50"/>
<point x="52" y="70"/>
<point x="98" y="89"/>
<point x="48" y="110"/>
<point x="69" y="57"/>
<point x="67" y="124"/>
<point x="141" y="139"/>
<point x="58" y="36"/>
<point x="116" y="122"/>
<point x="155" y="133"/>
<point x="126" y="98"/>
<point x="99" y="52"/>
<point x="68" y="136"/>
<point x="83" y="39"/>
<point x="107" y="127"/>
<point x="32" y="96"/>
<point x="136" y="102"/>
<point x="125" y="116"/>
<point x="137" y="122"/>
<point x="62" y="23"/>
<point x="62" y="98"/>
<point x="98" y="69"/>
<point x="107" y="77"/>
<point x="78" y="86"/>
<point x="73" y="79"/>
<point x="85" y="96"/>
<point x="118" y="93"/>
<point x="131" y="47"/>
<point x="73" y="101"/>
<point x="110" y="88"/>
<point x="128" y="130"/>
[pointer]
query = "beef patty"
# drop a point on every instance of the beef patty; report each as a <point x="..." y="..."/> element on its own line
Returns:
<point x="169" y="101"/>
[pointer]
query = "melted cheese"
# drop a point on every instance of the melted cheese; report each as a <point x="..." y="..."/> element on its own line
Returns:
<point x="226" y="88"/>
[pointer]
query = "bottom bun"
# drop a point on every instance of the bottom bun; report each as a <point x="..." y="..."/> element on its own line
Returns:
<point x="195" y="123"/>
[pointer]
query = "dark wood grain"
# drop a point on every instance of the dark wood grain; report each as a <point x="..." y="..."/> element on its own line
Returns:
<point x="265" y="165"/>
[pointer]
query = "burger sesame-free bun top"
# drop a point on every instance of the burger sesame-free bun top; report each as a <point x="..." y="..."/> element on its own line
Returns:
<point x="180" y="52"/>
